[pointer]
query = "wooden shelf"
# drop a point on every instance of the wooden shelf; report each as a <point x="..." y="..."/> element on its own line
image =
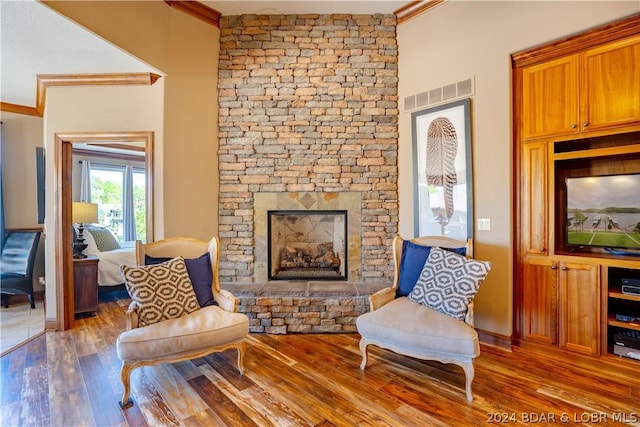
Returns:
<point x="626" y="325"/>
<point x="620" y="295"/>
<point x="598" y="152"/>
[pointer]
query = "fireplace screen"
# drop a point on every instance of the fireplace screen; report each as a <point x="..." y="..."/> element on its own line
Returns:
<point x="307" y="245"/>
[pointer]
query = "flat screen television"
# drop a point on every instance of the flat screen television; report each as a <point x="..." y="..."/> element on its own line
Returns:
<point x="604" y="211"/>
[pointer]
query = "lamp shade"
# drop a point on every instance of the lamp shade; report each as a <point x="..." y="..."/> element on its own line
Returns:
<point x="84" y="213"/>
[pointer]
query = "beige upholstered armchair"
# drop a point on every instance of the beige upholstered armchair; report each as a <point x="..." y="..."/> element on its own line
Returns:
<point x="166" y="322"/>
<point x="397" y="323"/>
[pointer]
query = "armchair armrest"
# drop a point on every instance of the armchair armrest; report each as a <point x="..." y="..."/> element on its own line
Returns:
<point x="468" y="318"/>
<point x="226" y="300"/>
<point x="132" y="316"/>
<point x="382" y="297"/>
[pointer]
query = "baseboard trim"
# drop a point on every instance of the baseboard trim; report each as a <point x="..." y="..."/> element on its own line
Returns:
<point x="50" y="325"/>
<point x="495" y="340"/>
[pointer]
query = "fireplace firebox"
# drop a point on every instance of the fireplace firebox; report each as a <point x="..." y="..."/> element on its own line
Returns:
<point x="308" y="245"/>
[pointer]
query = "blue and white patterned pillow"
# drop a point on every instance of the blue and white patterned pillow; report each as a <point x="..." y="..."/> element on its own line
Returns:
<point x="449" y="282"/>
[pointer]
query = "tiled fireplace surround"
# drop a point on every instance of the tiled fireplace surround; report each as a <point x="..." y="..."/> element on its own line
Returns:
<point x="308" y="121"/>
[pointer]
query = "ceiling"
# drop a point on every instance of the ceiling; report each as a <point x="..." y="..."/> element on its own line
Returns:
<point x="267" y="7"/>
<point x="37" y="40"/>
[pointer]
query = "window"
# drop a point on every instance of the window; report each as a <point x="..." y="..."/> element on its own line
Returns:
<point x="108" y="189"/>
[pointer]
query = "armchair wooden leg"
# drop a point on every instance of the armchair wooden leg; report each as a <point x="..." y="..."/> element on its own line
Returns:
<point x="363" y="351"/>
<point x="241" y="349"/>
<point x="469" y="373"/>
<point x="125" y="377"/>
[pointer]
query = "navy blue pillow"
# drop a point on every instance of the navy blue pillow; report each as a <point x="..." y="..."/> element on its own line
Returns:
<point x="200" y="273"/>
<point x="412" y="262"/>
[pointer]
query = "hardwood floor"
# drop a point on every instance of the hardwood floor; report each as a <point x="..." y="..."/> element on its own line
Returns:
<point x="72" y="378"/>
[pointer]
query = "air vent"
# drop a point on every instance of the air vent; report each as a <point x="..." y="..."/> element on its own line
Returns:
<point x="450" y="92"/>
<point x="435" y="95"/>
<point x="410" y="102"/>
<point x="422" y="99"/>
<point x="465" y="87"/>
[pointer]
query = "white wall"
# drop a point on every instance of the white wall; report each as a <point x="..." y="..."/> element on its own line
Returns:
<point x="101" y="109"/>
<point x="461" y="39"/>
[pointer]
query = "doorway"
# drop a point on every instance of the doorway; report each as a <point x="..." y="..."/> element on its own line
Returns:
<point x="63" y="183"/>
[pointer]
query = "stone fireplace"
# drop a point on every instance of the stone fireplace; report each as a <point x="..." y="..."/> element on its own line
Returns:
<point x="307" y="245"/>
<point x="308" y="121"/>
<point x="307" y="227"/>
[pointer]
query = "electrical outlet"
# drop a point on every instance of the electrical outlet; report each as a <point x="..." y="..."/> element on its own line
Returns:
<point x="484" y="224"/>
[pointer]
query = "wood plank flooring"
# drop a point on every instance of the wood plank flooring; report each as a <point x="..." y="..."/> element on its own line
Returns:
<point x="72" y="378"/>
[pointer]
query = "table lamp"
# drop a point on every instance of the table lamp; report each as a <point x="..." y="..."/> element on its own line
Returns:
<point x="82" y="213"/>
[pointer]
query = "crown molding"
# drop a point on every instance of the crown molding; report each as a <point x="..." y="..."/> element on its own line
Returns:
<point x="19" y="109"/>
<point x="624" y="27"/>
<point x="197" y="10"/>
<point x="45" y="81"/>
<point x="415" y="8"/>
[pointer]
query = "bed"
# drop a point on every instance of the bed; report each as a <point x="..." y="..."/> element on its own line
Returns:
<point x="111" y="253"/>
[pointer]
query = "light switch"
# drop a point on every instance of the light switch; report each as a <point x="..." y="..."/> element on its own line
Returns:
<point x="484" y="224"/>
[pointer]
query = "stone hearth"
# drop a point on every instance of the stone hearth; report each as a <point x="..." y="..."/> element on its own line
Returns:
<point x="281" y="307"/>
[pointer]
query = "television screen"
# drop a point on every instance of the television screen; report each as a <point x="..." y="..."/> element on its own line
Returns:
<point x="604" y="211"/>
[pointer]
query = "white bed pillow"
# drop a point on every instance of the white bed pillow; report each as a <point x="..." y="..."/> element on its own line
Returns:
<point x="92" y="248"/>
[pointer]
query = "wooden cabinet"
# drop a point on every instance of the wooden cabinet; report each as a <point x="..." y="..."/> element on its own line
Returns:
<point x="579" y="307"/>
<point x="610" y="94"/>
<point x="561" y="304"/>
<point x="85" y="285"/>
<point x="540" y="300"/>
<point x="576" y="104"/>
<point x="535" y="237"/>
<point x="588" y="91"/>
<point x="550" y="98"/>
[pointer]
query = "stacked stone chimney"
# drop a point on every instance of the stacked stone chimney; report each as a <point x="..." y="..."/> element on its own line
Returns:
<point x="308" y="103"/>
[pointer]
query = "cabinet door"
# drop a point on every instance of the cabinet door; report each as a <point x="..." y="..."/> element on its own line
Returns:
<point x="550" y="98"/>
<point x="580" y="307"/>
<point x="540" y="298"/>
<point x="85" y="285"/>
<point x="611" y="85"/>
<point x="534" y="198"/>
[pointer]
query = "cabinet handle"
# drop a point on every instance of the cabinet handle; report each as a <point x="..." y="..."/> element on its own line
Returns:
<point x="585" y="124"/>
<point x="564" y="268"/>
<point x="542" y="249"/>
<point x="573" y="125"/>
<point x="554" y="267"/>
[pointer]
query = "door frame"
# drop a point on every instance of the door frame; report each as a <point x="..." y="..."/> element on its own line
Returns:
<point x="63" y="170"/>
